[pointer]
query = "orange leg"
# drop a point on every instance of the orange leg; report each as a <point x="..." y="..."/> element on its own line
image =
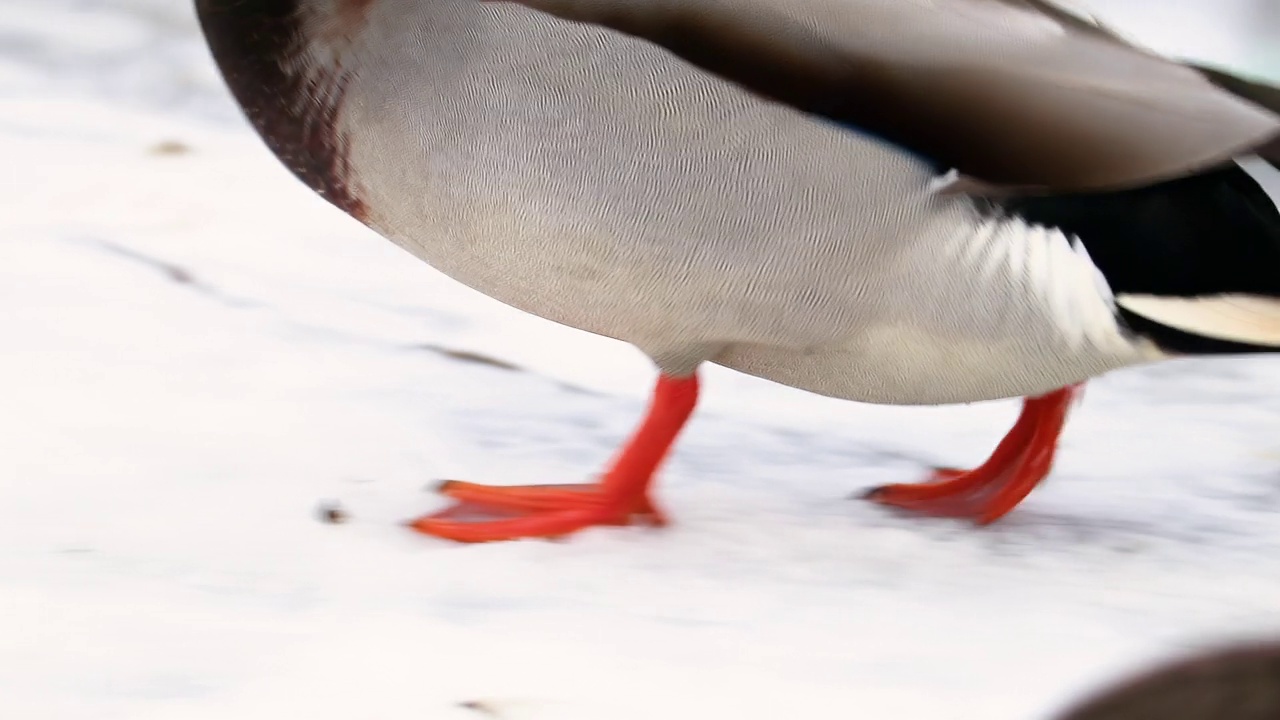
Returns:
<point x="485" y="513"/>
<point x="985" y="494"/>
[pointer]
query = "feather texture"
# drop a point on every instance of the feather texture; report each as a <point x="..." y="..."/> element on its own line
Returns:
<point x="1011" y="92"/>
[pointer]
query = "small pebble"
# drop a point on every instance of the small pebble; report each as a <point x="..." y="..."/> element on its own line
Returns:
<point x="170" y="147"/>
<point x="333" y="514"/>
<point x="479" y="706"/>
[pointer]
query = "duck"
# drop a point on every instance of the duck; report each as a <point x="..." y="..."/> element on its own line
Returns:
<point x="906" y="202"/>
<point x="1236" y="680"/>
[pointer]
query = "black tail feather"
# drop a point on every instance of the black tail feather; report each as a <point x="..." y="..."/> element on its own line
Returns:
<point x="1210" y="234"/>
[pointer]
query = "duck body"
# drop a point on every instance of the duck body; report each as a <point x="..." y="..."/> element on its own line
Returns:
<point x="691" y="219"/>
<point x="600" y="180"/>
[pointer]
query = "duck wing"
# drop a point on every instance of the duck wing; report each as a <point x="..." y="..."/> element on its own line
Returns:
<point x="1011" y="93"/>
<point x="1259" y="93"/>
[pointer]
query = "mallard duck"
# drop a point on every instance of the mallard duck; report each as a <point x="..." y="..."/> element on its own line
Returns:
<point x="885" y="201"/>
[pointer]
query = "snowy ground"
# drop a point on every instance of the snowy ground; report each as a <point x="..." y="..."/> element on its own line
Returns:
<point x="197" y="353"/>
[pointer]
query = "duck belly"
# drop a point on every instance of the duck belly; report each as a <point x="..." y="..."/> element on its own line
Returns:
<point x="906" y="365"/>
<point x="973" y="309"/>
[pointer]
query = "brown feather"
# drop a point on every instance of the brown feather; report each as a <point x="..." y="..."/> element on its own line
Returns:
<point x="1267" y="96"/>
<point x="256" y="46"/>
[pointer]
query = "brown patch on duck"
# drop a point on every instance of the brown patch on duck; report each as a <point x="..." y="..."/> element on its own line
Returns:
<point x="291" y="96"/>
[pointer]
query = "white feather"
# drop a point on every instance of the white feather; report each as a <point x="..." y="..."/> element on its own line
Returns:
<point x="1240" y="318"/>
<point x="1055" y="270"/>
<point x="1265" y="174"/>
<point x="1236" y="317"/>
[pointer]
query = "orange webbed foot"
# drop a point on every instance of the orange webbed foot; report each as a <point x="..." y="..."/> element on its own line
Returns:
<point x="487" y="513"/>
<point x="1020" y="462"/>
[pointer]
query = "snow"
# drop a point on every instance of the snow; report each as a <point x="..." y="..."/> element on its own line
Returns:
<point x="198" y="354"/>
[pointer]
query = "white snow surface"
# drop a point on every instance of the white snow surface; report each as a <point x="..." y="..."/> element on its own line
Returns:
<point x="197" y="353"/>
